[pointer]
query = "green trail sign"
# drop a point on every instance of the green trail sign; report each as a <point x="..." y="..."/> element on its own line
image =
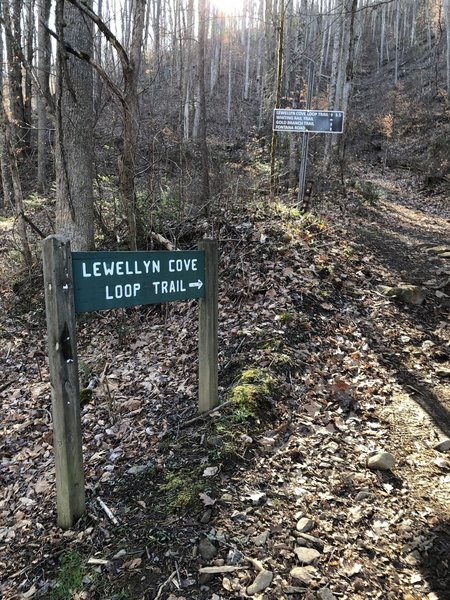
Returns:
<point x="88" y="281"/>
<point x="104" y="280"/>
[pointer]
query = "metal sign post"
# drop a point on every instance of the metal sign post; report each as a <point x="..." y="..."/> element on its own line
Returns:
<point x="307" y="121"/>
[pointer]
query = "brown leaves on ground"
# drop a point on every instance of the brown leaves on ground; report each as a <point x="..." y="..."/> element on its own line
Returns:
<point x="354" y="371"/>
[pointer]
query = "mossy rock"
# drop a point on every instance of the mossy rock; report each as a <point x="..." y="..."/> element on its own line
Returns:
<point x="408" y="294"/>
<point x="253" y="390"/>
<point x="439" y="250"/>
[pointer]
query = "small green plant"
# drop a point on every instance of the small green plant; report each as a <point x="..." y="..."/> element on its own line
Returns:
<point x="286" y="317"/>
<point x="85" y="372"/>
<point x="70" y="575"/>
<point x="369" y="191"/>
<point x="35" y="201"/>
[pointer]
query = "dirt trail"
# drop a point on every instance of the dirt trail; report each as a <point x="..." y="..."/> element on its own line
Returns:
<point x="398" y="233"/>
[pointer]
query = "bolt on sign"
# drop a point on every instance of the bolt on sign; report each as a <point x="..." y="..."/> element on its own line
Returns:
<point x="300" y="121"/>
<point x="77" y="282"/>
<point x="104" y="280"/>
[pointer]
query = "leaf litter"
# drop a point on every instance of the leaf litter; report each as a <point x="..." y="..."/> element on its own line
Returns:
<point x="298" y="299"/>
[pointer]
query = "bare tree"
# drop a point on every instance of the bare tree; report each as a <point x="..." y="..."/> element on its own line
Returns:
<point x="43" y="96"/>
<point x="74" y="129"/>
<point x="202" y="104"/>
<point x="128" y="96"/>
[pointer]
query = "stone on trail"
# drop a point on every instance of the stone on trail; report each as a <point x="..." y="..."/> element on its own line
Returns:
<point x="326" y="594"/>
<point x="362" y="495"/>
<point x="262" y="581"/>
<point x="207" y="550"/>
<point x="383" y="461"/>
<point x="306" y="555"/>
<point x="443" y="445"/>
<point x="303" y="575"/>
<point x="261" y="539"/>
<point x="304" y="525"/>
<point x="438" y="250"/>
<point x="409" y="294"/>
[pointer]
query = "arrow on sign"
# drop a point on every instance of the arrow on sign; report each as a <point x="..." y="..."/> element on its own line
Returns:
<point x="198" y="284"/>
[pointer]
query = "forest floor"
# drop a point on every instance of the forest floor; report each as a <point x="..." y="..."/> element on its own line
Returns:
<point x="273" y="494"/>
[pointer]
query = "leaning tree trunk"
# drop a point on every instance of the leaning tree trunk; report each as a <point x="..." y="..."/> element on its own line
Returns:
<point x="74" y="124"/>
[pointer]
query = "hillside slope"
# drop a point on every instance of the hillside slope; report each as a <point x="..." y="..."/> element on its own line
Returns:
<point x="319" y="371"/>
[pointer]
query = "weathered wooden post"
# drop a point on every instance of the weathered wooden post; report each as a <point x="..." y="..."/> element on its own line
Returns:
<point x="62" y="354"/>
<point x="208" y="395"/>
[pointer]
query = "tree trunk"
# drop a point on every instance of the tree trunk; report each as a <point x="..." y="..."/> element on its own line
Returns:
<point x="16" y="99"/>
<point x="279" y="81"/>
<point x="44" y="56"/>
<point x="7" y="186"/>
<point x="130" y="123"/>
<point x="205" y="193"/>
<point x="446" y="10"/>
<point x="74" y="124"/>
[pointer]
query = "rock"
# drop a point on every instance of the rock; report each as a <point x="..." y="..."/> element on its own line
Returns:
<point x="439" y="250"/>
<point x="310" y="540"/>
<point x="207" y="550"/>
<point x="302" y="574"/>
<point x="206" y="516"/>
<point x="362" y="495"/>
<point x="205" y="578"/>
<point x="137" y="469"/>
<point x="383" y="461"/>
<point x="409" y="294"/>
<point x="262" y="581"/>
<point x="261" y="539"/>
<point x="257" y="498"/>
<point x="306" y="555"/>
<point x="304" y="525"/>
<point x="326" y="594"/>
<point x="226" y="498"/>
<point x="443" y="446"/>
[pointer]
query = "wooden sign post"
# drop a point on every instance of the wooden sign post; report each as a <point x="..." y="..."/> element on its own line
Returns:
<point x="63" y="364"/>
<point x="91" y="281"/>
<point x="207" y="331"/>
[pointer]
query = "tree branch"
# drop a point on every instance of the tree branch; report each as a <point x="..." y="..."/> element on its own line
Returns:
<point x="123" y="56"/>
<point x="88" y="58"/>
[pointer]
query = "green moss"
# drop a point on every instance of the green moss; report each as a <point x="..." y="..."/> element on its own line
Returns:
<point x="85" y="396"/>
<point x="281" y="360"/>
<point x="181" y="489"/>
<point x="286" y="317"/>
<point x="70" y="576"/>
<point x="252" y="390"/>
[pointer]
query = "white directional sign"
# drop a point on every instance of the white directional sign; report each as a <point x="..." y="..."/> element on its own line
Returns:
<point x="319" y="121"/>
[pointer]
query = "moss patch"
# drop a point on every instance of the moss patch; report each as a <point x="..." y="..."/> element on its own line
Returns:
<point x="252" y="391"/>
<point x="181" y="489"/>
